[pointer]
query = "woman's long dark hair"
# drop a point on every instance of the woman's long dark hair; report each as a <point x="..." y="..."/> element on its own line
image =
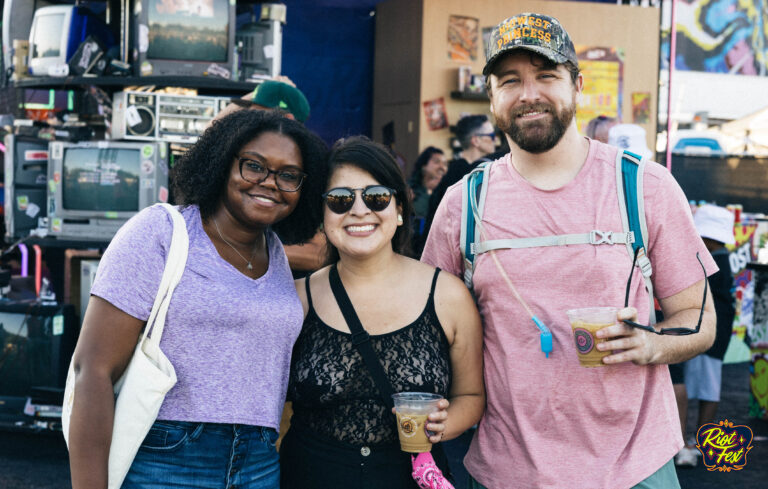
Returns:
<point x="374" y="159"/>
<point x="417" y="178"/>
<point x="200" y="176"/>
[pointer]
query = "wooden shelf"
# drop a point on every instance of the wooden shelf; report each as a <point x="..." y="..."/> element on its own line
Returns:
<point x="199" y="82"/>
<point x="65" y="243"/>
<point x="473" y="96"/>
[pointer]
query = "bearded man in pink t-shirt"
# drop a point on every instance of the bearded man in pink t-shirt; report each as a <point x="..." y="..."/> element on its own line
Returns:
<point x="549" y="422"/>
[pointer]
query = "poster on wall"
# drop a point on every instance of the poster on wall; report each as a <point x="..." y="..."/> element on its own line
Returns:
<point x="740" y="254"/>
<point x="603" y="71"/>
<point x="718" y="36"/>
<point x="641" y="107"/>
<point x="463" y="38"/>
<point x="758" y="383"/>
<point x="758" y="332"/>
<point x="436" y="115"/>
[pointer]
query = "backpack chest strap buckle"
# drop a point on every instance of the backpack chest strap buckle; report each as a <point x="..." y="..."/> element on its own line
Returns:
<point x="609" y="237"/>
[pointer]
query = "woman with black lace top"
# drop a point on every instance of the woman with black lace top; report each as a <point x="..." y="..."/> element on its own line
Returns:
<point x="423" y="325"/>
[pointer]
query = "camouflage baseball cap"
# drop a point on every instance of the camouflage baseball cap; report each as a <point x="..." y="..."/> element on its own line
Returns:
<point x="539" y="33"/>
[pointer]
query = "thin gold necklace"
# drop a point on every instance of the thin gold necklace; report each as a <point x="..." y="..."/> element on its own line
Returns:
<point x="250" y="267"/>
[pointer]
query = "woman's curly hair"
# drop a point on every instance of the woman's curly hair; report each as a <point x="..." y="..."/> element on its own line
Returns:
<point x="374" y="159"/>
<point x="200" y="176"/>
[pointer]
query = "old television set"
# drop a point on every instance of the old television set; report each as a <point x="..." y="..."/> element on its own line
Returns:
<point x="194" y="38"/>
<point x="260" y="41"/>
<point x="26" y="171"/>
<point x="38" y="342"/>
<point x="94" y="187"/>
<point x="57" y="31"/>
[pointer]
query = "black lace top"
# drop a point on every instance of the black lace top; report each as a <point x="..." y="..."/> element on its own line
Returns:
<point x="332" y="391"/>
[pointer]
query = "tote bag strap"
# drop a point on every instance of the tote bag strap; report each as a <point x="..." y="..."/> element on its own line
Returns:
<point x="174" y="268"/>
<point x="361" y="339"/>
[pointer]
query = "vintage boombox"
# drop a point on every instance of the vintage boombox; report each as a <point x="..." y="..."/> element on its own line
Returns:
<point x="147" y="116"/>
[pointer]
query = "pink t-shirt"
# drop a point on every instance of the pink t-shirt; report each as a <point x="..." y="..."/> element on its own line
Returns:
<point x="549" y="422"/>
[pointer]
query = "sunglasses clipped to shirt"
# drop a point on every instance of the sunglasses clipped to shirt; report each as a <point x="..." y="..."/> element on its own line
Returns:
<point x="667" y="331"/>
<point x="341" y="199"/>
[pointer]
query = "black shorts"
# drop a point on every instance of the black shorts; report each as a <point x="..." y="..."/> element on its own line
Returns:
<point x="677" y="373"/>
<point x="310" y="462"/>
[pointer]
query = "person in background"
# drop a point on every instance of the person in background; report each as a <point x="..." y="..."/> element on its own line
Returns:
<point x="428" y="169"/>
<point x="278" y="94"/>
<point x="598" y="128"/>
<point x="703" y="373"/>
<point x="550" y="423"/>
<point x="422" y="325"/>
<point x="282" y="95"/>
<point x="630" y="137"/>
<point x="232" y="321"/>
<point x="477" y="138"/>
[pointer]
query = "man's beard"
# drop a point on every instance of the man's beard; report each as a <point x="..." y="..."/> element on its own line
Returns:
<point x="541" y="135"/>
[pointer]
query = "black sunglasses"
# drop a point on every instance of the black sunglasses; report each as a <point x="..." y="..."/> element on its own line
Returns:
<point x="341" y="199"/>
<point x="491" y="135"/>
<point x="668" y="331"/>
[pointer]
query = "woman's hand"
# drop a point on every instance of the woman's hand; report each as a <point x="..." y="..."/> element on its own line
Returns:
<point x="436" y="421"/>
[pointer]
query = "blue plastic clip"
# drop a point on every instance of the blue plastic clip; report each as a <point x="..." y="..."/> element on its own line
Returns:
<point x="546" y="336"/>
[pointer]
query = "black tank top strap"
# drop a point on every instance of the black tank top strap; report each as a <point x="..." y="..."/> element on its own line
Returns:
<point x="309" y="294"/>
<point x="434" y="284"/>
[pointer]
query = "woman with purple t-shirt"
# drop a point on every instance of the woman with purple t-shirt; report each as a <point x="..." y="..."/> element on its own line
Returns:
<point x="233" y="319"/>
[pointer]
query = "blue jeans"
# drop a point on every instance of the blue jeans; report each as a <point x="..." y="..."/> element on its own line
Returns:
<point x="206" y="456"/>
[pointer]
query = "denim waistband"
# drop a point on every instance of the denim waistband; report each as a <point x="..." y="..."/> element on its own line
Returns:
<point x="225" y="428"/>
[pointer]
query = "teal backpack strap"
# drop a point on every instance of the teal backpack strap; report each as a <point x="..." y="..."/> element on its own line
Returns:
<point x="472" y="191"/>
<point x="473" y="195"/>
<point x="629" y="187"/>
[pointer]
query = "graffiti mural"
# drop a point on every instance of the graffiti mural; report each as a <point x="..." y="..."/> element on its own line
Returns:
<point x="721" y="36"/>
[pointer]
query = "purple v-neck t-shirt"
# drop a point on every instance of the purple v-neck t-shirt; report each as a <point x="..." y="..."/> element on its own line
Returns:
<point x="228" y="336"/>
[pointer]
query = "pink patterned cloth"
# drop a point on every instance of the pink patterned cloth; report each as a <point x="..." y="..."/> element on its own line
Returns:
<point x="426" y="474"/>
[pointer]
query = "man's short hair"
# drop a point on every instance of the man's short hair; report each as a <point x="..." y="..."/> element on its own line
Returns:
<point x="468" y="127"/>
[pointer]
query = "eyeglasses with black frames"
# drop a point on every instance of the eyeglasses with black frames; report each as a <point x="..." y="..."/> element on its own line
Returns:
<point x="667" y="331"/>
<point x="491" y="135"/>
<point x="287" y="180"/>
<point x="341" y="199"/>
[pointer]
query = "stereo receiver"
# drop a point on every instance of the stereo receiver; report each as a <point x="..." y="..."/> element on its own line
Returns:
<point x="148" y="116"/>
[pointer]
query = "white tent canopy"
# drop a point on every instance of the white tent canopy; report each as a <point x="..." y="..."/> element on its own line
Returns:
<point x="721" y="95"/>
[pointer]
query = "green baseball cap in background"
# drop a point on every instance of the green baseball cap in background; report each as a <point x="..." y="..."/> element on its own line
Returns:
<point x="278" y="95"/>
<point x="539" y="33"/>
